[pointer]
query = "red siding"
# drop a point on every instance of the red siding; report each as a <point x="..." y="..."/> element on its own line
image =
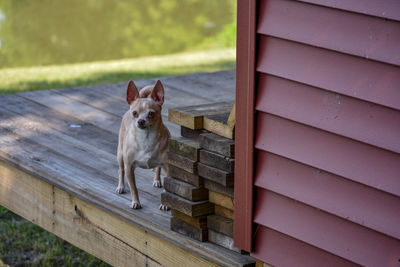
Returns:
<point x="326" y="133"/>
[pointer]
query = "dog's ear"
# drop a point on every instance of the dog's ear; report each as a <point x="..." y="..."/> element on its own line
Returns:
<point x="132" y="93"/>
<point x="158" y="93"/>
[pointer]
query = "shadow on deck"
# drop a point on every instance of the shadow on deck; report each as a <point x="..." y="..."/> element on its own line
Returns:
<point x="58" y="169"/>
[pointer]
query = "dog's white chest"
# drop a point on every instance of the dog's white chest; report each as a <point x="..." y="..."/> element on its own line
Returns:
<point x="146" y="152"/>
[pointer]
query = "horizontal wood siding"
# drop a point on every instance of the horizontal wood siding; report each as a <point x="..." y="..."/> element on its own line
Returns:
<point x="327" y="133"/>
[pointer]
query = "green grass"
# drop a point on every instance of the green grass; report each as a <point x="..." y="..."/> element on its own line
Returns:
<point x="62" y="76"/>
<point x="25" y="244"/>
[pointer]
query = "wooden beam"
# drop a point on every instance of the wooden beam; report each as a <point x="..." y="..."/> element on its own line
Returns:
<point x="186" y="147"/>
<point x="192" y="116"/>
<point x="224" y="212"/>
<point x="221" y="200"/>
<point x="108" y="237"/>
<point x="185" y="190"/>
<point x="190" y="208"/>
<point x="182" y="162"/>
<point x="222" y="124"/>
<point x="219" y="176"/>
<point x="218" y="144"/>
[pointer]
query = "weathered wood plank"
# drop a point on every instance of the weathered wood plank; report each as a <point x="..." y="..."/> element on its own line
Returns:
<point x="217" y="160"/>
<point x="189" y="230"/>
<point x="217" y="85"/>
<point x="216" y="175"/>
<point x="51" y="99"/>
<point x="220" y="224"/>
<point x="199" y="222"/>
<point x="106" y="120"/>
<point x="192" y="116"/>
<point x="218" y="144"/>
<point x="86" y="226"/>
<point x="70" y="126"/>
<point x="185" y="176"/>
<point x="98" y="191"/>
<point x="232" y="117"/>
<point x="89" y="181"/>
<point x="185" y="190"/>
<point x="189" y="133"/>
<point x="222" y="240"/>
<point x="221" y="200"/>
<point x="182" y="162"/>
<point x="262" y="264"/>
<point x="218" y="124"/>
<point x="187" y="207"/>
<point x="110" y="104"/>
<point x="216" y="187"/>
<point x="42" y="132"/>
<point x="174" y="97"/>
<point x="71" y="175"/>
<point x="224" y="212"/>
<point x="185" y="147"/>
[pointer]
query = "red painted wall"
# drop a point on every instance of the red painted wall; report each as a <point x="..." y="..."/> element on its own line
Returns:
<point x="324" y="95"/>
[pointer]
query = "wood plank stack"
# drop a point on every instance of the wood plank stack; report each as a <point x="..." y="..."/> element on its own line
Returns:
<point x="185" y="193"/>
<point x="200" y="187"/>
<point x="216" y="166"/>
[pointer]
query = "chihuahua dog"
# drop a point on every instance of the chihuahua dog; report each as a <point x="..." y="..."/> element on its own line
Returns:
<point x="143" y="138"/>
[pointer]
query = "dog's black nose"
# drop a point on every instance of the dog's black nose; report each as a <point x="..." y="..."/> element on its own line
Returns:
<point x="141" y="122"/>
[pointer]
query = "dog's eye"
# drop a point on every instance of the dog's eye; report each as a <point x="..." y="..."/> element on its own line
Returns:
<point x="134" y="113"/>
<point x="151" y="114"/>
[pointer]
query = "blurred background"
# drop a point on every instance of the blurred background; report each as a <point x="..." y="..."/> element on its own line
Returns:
<point x="48" y="44"/>
<point x="36" y="34"/>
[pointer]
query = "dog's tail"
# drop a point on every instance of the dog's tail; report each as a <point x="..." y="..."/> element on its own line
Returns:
<point x="145" y="91"/>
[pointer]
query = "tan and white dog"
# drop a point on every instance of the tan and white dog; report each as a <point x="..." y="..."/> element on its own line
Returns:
<point x="143" y="138"/>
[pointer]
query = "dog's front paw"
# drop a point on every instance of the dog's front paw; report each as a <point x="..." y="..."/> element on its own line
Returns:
<point x="135" y="205"/>
<point x="120" y="190"/>
<point x="157" y="183"/>
<point x="164" y="207"/>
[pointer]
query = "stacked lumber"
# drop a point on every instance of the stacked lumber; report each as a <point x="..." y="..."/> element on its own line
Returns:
<point x="216" y="166"/>
<point x="200" y="189"/>
<point x="184" y="192"/>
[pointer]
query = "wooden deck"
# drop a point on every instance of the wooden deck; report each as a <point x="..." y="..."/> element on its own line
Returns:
<point x="58" y="169"/>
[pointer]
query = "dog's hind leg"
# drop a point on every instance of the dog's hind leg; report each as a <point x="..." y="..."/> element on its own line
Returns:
<point x="121" y="173"/>
<point x="157" y="179"/>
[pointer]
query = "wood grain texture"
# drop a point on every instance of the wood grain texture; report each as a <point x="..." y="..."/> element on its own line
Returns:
<point x="216" y="187"/>
<point x="221" y="200"/>
<point x="218" y="144"/>
<point x="192" y="116"/>
<point x="186" y="147"/>
<point x="187" y="207"/>
<point x="216" y="175"/>
<point x="222" y="240"/>
<point x="182" y="162"/>
<point x="218" y="124"/>
<point x="185" y="176"/>
<point x="217" y="161"/>
<point x="189" y="133"/>
<point x="182" y="227"/>
<point x="86" y="226"/>
<point x="224" y="212"/>
<point x="220" y="224"/>
<point x="199" y="222"/>
<point x="185" y="190"/>
<point x="85" y="126"/>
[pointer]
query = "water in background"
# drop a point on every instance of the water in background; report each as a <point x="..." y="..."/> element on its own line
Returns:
<point x="44" y="32"/>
